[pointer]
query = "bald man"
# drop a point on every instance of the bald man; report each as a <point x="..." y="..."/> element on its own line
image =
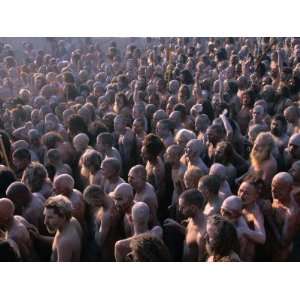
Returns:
<point x="15" y="228"/>
<point x="144" y="191"/>
<point x="64" y="185"/>
<point x="111" y="168"/>
<point x="231" y="209"/>
<point x="140" y="220"/>
<point x="292" y="152"/>
<point x="193" y="150"/>
<point x="123" y="199"/>
<point x="172" y="156"/>
<point x="220" y="171"/>
<point x="81" y="142"/>
<point x="295" y="173"/>
<point x="28" y="205"/>
<point x="292" y="115"/>
<point x="104" y="215"/>
<point x="286" y="212"/>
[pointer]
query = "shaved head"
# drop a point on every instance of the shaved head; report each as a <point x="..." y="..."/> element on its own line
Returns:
<point x="140" y="213"/>
<point x="7" y="210"/>
<point x="63" y="183"/>
<point x="233" y="204"/>
<point x="283" y="177"/>
<point x="219" y="170"/>
<point x="139" y="170"/>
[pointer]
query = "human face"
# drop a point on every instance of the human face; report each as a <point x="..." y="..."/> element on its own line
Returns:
<point x="137" y="127"/>
<point x="294" y="149"/>
<point x="186" y="210"/>
<point x="276" y="128"/>
<point x="107" y="170"/>
<point x="119" y="126"/>
<point x="257" y="114"/>
<point x="52" y="220"/>
<point x="134" y="179"/>
<point x="212" y="136"/>
<point x="247" y="193"/>
<point x="230" y="215"/>
<point x="5" y="220"/>
<point x="295" y="171"/>
<point x="161" y="131"/>
<point x="121" y="201"/>
<point x="20" y="164"/>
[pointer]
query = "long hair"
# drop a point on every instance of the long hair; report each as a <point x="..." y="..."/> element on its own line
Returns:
<point x="148" y="248"/>
<point x="225" y="239"/>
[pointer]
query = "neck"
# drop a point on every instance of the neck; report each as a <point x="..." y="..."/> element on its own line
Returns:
<point x="114" y="179"/>
<point x="62" y="227"/>
<point x="139" y="228"/>
<point x="198" y="218"/>
<point x="141" y="188"/>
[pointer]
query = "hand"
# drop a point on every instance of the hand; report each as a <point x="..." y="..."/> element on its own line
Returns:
<point x="33" y="231"/>
<point x="224" y="113"/>
<point x="170" y="222"/>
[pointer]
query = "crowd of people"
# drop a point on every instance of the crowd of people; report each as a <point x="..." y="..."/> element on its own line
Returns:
<point x="182" y="149"/>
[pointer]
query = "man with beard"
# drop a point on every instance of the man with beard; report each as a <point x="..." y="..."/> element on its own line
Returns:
<point x="262" y="159"/>
<point x="67" y="242"/>
<point x="295" y="172"/>
<point x="191" y="205"/>
<point x="222" y="240"/>
<point x="278" y="131"/>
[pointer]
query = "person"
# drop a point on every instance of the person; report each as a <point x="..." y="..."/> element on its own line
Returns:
<point x="140" y="219"/>
<point x="278" y="131"/>
<point x="144" y="191"/>
<point x="35" y="176"/>
<point x="220" y="171"/>
<point x="123" y="199"/>
<point x="258" y="116"/>
<point x="294" y="171"/>
<point x="54" y="160"/>
<point x="16" y="229"/>
<point x="262" y="158"/>
<point x="81" y="143"/>
<point x="222" y="242"/>
<point x="64" y="185"/>
<point x="292" y="152"/>
<point x="191" y="205"/>
<point x="291" y="114"/>
<point x="29" y="206"/>
<point x="90" y="163"/>
<point x="193" y="150"/>
<point x="103" y="214"/>
<point x="21" y="159"/>
<point x="111" y="169"/>
<point x="105" y="146"/>
<point x="7" y="176"/>
<point x="172" y="156"/>
<point x="148" y="248"/>
<point x="164" y="131"/>
<point x="67" y="241"/>
<point x="285" y="213"/>
<point x="254" y="218"/>
<point x="209" y="186"/>
<point x="126" y="142"/>
<point x="191" y="177"/>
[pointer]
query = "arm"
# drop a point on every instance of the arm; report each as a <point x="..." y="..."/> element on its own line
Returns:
<point x="101" y="235"/>
<point x="122" y="249"/>
<point x="258" y="235"/>
<point x="228" y="128"/>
